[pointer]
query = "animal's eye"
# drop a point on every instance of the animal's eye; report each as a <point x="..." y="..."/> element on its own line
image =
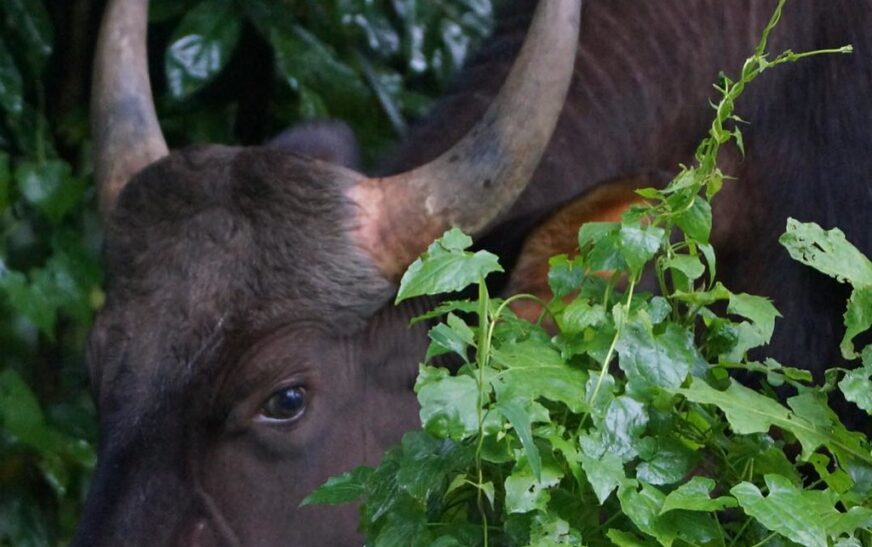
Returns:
<point x="286" y="404"/>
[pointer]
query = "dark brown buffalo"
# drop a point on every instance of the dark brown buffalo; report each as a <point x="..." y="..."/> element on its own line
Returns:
<point x="248" y="348"/>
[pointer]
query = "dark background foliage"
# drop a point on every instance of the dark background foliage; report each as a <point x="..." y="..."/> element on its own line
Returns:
<point x="225" y="71"/>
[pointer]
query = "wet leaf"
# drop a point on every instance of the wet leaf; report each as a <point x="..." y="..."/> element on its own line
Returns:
<point x="201" y="46"/>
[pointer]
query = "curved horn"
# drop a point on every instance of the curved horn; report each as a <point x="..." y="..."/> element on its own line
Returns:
<point x="480" y="177"/>
<point x="123" y="119"/>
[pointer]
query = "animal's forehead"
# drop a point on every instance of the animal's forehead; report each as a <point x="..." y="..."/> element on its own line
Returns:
<point x="217" y="239"/>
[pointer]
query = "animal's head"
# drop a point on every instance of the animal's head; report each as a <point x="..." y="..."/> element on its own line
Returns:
<point x="247" y="350"/>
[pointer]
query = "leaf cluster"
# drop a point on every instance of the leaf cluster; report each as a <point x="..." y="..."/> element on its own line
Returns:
<point x="614" y="419"/>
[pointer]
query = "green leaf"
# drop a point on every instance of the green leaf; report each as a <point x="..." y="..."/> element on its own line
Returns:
<point x="759" y="331"/>
<point x="670" y="461"/>
<point x="696" y="221"/>
<point x="580" y="315"/>
<point x="796" y="514"/>
<point x="201" y="46"/>
<point x="857" y="384"/>
<point x="751" y="412"/>
<point x="343" y="488"/>
<point x="524" y="492"/>
<point x="50" y="187"/>
<point x="689" y="265"/>
<point x="858" y="319"/>
<point x="564" y="275"/>
<point x="11" y="84"/>
<point x="454" y="337"/>
<point x="695" y="495"/>
<point x="536" y="370"/>
<point x="427" y="463"/>
<point x="623" y="424"/>
<point x="519" y="417"/>
<point x="446" y="267"/>
<point x="21" y="415"/>
<point x="29" y="22"/>
<point x="449" y="404"/>
<point x="663" y="360"/>
<point x="604" y="473"/>
<point x="638" y="244"/>
<point x="827" y="251"/>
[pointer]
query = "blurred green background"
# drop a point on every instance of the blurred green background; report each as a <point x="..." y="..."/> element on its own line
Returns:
<point x="225" y="71"/>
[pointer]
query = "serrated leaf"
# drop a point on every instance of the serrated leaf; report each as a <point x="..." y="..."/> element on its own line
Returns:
<point x="663" y="360"/>
<point x="758" y="331"/>
<point x="604" y="473"/>
<point x="796" y="514"/>
<point x="670" y="462"/>
<point x="564" y="275"/>
<point x="827" y="251"/>
<point x="201" y="46"/>
<point x="343" y="488"/>
<point x="580" y="315"/>
<point x="624" y="422"/>
<point x="446" y="267"/>
<point x="449" y="404"/>
<point x="524" y="492"/>
<point x="695" y="495"/>
<point x="857" y="385"/>
<point x="638" y="244"/>
<point x="751" y="412"/>
<point x="858" y="319"/>
<point x="534" y="370"/>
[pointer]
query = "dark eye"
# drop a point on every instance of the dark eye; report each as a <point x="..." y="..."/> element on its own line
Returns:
<point x="285" y="404"/>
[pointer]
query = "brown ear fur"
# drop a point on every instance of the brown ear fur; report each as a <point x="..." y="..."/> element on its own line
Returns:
<point x="558" y="234"/>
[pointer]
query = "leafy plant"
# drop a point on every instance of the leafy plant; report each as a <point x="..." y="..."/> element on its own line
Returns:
<point x="541" y="440"/>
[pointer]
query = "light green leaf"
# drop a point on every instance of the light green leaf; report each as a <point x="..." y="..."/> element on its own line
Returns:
<point x="827" y="251"/>
<point x="343" y="488"/>
<point x="689" y="265"/>
<point x="857" y="384"/>
<point x="519" y="416"/>
<point x="449" y="404"/>
<point x="796" y="514"/>
<point x="696" y="221"/>
<point x="695" y="495"/>
<point x="762" y="316"/>
<point x="604" y="473"/>
<point x="858" y="319"/>
<point x="201" y="46"/>
<point x="524" y="492"/>
<point x="446" y="267"/>
<point x="623" y="424"/>
<point x="638" y="244"/>
<point x="751" y="412"/>
<point x="663" y="360"/>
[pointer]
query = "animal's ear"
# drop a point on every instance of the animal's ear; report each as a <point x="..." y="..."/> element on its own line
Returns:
<point x="558" y="234"/>
<point x="332" y="141"/>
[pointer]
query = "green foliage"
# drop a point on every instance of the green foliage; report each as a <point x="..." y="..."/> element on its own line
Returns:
<point x="538" y="440"/>
<point x="374" y="63"/>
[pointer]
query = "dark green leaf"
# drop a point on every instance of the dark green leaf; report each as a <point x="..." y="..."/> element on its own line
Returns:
<point x="29" y="22"/>
<point x="515" y="412"/>
<point x="11" y="85"/>
<point x="201" y="46"/>
<point x="50" y="187"/>
<point x="638" y="244"/>
<point x="663" y="360"/>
